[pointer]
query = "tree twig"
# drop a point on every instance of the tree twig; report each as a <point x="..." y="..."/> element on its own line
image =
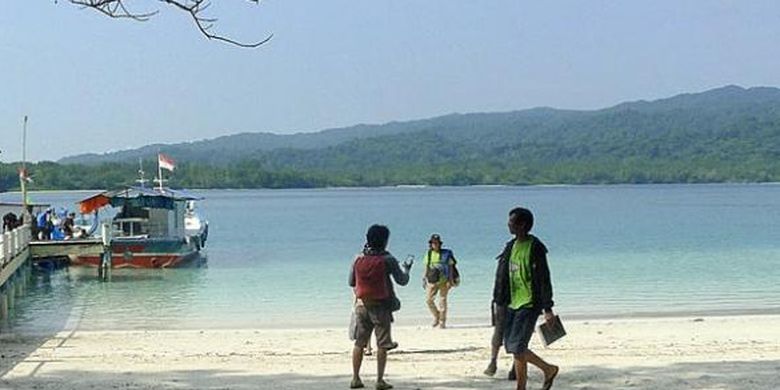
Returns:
<point x="194" y="8"/>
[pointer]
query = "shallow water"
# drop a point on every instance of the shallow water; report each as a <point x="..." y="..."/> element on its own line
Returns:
<point x="279" y="258"/>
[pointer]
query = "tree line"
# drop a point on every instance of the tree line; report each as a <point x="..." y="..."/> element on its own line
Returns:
<point x="253" y="174"/>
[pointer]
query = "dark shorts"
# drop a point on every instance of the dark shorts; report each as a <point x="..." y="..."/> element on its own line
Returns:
<point x="376" y="319"/>
<point x="499" y="322"/>
<point x="519" y="328"/>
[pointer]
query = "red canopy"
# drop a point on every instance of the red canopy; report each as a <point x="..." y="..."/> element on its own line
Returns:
<point x="89" y="205"/>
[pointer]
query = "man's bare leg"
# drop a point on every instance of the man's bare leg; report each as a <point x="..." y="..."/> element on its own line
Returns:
<point x="521" y="370"/>
<point x="357" y="361"/>
<point x="381" y="362"/>
<point x="549" y="370"/>
<point x="493" y="365"/>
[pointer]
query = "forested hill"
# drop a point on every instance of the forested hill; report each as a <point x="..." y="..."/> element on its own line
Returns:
<point x="230" y="148"/>
<point x="725" y="134"/>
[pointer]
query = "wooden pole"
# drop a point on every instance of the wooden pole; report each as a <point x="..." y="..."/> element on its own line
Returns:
<point x="23" y="174"/>
<point x="104" y="270"/>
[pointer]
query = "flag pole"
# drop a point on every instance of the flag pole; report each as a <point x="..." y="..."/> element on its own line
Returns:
<point x="23" y="173"/>
<point x="159" y="172"/>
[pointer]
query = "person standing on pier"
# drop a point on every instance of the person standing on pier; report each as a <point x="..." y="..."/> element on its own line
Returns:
<point x="376" y="301"/>
<point x="68" y="225"/>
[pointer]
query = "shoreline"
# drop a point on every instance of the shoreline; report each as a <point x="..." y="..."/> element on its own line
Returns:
<point x="433" y="187"/>
<point x="732" y="352"/>
<point x="341" y="328"/>
<point x="411" y="323"/>
<point x="74" y="326"/>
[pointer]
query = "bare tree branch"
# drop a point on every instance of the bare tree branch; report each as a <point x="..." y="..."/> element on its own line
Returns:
<point x="114" y="9"/>
<point x="195" y="9"/>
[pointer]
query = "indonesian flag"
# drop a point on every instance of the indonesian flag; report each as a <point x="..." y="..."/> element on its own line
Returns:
<point x="23" y="175"/>
<point x="165" y="162"/>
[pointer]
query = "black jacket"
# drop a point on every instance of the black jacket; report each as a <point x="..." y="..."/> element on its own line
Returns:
<point x="541" y="286"/>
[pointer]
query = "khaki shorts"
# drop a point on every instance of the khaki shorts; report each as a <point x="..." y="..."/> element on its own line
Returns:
<point x="373" y="318"/>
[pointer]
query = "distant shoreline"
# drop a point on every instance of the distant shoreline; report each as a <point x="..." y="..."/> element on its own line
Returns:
<point x="423" y="186"/>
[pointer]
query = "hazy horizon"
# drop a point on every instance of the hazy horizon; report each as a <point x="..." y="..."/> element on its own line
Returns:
<point x="91" y="84"/>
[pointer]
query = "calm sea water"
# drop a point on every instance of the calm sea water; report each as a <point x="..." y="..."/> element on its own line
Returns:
<point x="279" y="258"/>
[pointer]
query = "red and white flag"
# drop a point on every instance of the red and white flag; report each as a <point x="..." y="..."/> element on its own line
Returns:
<point x="24" y="176"/>
<point x="165" y="162"/>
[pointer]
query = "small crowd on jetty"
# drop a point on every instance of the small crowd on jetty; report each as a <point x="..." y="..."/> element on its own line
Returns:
<point x="522" y="292"/>
<point x="49" y="224"/>
<point x="11" y="221"/>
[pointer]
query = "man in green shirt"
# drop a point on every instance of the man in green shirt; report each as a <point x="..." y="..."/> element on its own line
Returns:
<point x="523" y="286"/>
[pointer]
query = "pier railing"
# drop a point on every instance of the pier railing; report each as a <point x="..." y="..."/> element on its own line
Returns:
<point x="13" y="243"/>
<point x="15" y="268"/>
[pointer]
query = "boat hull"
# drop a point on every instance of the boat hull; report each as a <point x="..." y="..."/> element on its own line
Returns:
<point x="146" y="253"/>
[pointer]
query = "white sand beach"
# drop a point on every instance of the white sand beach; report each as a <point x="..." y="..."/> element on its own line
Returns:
<point x="738" y="352"/>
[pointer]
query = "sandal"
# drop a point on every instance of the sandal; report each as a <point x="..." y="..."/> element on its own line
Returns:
<point x="356" y="384"/>
<point x="382" y="385"/>
<point x="490" y="370"/>
<point x="548" y="382"/>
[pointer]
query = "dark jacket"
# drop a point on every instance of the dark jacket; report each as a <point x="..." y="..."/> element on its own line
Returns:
<point x="541" y="286"/>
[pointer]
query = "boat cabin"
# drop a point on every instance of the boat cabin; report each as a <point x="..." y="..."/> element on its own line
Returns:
<point x="143" y="212"/>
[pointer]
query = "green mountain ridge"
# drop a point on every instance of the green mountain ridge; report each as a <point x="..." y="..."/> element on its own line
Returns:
<point x="728" y="134"/>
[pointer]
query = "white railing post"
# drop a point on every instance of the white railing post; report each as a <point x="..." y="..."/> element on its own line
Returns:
<point x="22" y="237"/>
<point x="2" y="251"/>
<point x="14" y="242"/>
<point x="7" y="246"/>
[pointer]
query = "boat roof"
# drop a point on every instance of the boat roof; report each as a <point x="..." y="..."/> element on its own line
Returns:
<point x="136" y="196"/>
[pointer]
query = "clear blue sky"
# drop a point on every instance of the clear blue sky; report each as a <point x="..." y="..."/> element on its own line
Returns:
<point x="92" y="84"/>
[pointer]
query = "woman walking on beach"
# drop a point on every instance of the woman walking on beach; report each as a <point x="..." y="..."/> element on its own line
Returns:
<point x="439" y="278"/>
<point x="523" y="285"/>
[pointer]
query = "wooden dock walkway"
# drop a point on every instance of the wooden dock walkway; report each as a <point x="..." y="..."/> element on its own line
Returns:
<point x="15" y="268"/>
<point x="42" y="250"/>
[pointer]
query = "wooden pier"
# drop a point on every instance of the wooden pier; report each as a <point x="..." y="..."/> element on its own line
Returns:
<point x="15" y="268"/>
<point x="45" y="250"/>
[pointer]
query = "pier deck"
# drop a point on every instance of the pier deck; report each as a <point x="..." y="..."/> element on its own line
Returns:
<point x="15" y="267"/>
<point x="42" y="250"/>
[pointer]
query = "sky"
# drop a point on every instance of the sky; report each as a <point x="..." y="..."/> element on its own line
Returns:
<point x="93" y="84"/>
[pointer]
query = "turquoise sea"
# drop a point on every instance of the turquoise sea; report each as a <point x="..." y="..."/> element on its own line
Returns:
<point x="279" y="258"/>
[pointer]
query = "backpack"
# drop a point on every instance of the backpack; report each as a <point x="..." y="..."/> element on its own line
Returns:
<point x="371" y="278"/>
<point x="435" y="272"/>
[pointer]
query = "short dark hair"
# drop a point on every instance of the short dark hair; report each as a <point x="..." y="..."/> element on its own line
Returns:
<point x="523" y="215"/>
<point x="377" y="236"/>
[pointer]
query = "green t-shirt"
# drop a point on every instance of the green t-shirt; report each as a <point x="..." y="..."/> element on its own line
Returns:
<point x="433" y="261"/>
<point x="520" y="275"/>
